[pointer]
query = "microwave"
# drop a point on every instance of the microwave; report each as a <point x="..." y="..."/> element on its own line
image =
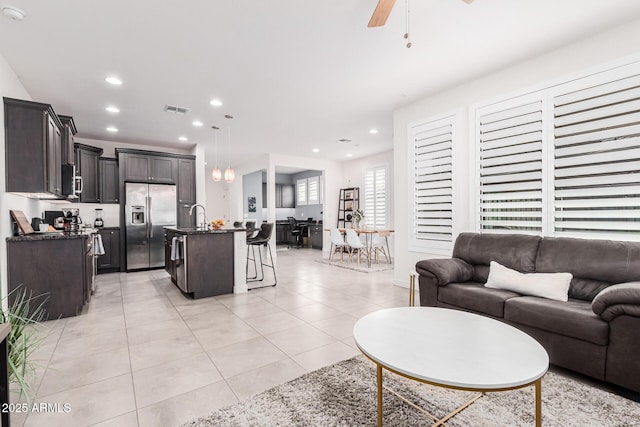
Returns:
<point x="71" y="184"/>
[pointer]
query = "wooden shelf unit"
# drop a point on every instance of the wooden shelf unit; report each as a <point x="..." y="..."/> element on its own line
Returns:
<point x="349" y="201"/>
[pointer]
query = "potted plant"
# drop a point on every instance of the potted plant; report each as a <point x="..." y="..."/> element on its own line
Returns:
<point x="358" y="216"/>
<point x="24" y="314"/>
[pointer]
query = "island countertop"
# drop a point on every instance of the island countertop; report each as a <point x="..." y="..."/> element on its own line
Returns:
<point x="200" y="230"/>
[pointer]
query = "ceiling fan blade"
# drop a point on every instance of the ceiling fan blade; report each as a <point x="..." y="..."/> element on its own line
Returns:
<point x="380" y="15"/>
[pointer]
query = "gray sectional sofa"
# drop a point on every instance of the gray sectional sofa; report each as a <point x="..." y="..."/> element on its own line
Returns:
<point x="596" y="332"/>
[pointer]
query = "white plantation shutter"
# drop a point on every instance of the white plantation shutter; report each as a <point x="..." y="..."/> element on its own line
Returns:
<point x="375" y="197"/>
<point x="431" y="178"/>
<point x="313" y="190"/>
<point x="509" y="159"/>
<point x="597" y="160"/>
<point x="301" y="190"/>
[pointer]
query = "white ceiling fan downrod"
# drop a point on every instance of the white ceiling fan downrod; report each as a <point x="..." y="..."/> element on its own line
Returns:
<point x="407" y="16"/>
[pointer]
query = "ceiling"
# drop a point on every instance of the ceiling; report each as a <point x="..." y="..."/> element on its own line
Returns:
<point x="296" y="75"/>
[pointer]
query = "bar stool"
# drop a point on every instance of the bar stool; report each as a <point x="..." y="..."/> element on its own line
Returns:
<point x="262" y="239"/>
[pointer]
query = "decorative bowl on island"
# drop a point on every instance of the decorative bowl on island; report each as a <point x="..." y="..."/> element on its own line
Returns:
<point x="217" y="224"/>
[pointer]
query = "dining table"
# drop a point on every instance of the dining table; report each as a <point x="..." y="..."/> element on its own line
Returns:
<point x="368" y="233"/>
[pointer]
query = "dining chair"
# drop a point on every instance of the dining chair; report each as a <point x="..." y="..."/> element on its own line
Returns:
<point x="379" y="243"/>
<point x="354" y="242"/>
<point x="337" y="242"/>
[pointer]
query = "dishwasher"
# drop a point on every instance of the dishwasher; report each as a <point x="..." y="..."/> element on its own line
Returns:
<point x="180" y="255"/>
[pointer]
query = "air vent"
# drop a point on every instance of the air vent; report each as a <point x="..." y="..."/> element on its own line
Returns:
<point x="175" y="110"/>
<point x="344" y="140"/>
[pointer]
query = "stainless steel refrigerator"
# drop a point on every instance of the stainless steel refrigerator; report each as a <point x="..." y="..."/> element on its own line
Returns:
<point x="148" y="208"/>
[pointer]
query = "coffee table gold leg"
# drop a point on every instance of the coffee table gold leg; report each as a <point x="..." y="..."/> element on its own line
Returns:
<point x="379" y="395"/>
<point x="539" y="403"/>
<point x="412" y="290"/>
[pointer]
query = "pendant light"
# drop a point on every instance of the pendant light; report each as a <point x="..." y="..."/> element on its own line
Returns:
<point x="229" y="174"/>
<point x="216" y="173"/>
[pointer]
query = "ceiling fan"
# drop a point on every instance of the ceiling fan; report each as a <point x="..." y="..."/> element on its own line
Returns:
<point x="383" y="9"/>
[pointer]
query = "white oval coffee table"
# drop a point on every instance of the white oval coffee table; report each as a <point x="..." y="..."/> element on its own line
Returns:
<point x="453" y="349"/>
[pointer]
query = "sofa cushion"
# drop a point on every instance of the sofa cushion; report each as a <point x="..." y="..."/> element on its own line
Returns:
<point x="573" y="318"/>
<point x="516" y="251"/>
<point x="475" y="297"/>
<point x="595" y="264"/>
<point x="546" y="285"/>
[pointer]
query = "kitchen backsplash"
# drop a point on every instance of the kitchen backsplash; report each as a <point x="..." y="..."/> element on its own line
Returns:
<point x="110" y="212"/>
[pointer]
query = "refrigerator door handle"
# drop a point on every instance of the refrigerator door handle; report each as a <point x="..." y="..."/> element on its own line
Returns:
<point x="150" y="222"/>
<point x="148" y="206"/>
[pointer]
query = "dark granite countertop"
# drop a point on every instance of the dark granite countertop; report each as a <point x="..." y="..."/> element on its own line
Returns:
<point x="198" y="230"/>
<point x="54" y="235"/>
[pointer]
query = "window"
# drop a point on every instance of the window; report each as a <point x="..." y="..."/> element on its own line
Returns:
<point x="313" y="190"/>
<point x="308" y="191"/>
<point x="432" y="184"/>
<point x="301" y="186"/>
<point x="564" y="161"/>
<point x="597" y="160"/>
<point x="509" y="152"/>
<point x="375" y="197"/>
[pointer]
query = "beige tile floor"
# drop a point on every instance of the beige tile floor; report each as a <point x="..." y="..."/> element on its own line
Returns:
<point x="142" y="354"/>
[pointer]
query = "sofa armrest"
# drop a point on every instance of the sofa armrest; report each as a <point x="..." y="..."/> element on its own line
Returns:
<point x="445" y="270"/>
<point x="617" y="300"/>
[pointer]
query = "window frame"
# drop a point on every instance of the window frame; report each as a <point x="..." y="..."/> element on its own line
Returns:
<point x="453" y="119"/>
<point x="363" y="199"/>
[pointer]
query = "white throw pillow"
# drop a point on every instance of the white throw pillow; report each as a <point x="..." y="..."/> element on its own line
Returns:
<point x="546" y="285"/>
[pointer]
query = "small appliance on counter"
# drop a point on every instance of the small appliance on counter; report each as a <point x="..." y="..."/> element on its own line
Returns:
<point x="54" y="219"/>
<point x="98" y="223"/>
<point x="72" y="219"/>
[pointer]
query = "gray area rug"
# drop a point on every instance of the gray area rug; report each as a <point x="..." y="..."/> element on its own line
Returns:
<point x="375" y="267"/>
<point x="344" y="394"/>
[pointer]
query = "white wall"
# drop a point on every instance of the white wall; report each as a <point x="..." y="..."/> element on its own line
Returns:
<point x="10" y="87"/>
<point x="607" y="47"/>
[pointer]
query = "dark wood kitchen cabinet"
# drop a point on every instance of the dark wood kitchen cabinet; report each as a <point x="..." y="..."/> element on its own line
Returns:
<point x="87" y="158"/>
<point x="186" y="192"/>
<point x="110" y="261"/>
<point x="186" y="181"/>
<point x="108" y="173"/>
<point x="316" y="234"/>
<point x="33" y="148"/>
<point x="68" y="131"/>
<point x="154" y="169"/>
<point x="169" y="264"/>
<point x="54" y="157"/>
<point x="61" y="269"/>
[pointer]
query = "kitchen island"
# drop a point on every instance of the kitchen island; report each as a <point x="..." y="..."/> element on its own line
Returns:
<point x="57" y="268"/>
<point x="205" y="263"/>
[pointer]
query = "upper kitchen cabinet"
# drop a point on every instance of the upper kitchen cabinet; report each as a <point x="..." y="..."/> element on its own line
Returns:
<point x="68" y="131"/>
<point x="108" y="172"/>
<point x="186" y="181"/>
<point x="140" y="167"/>
<point x="287" y="196"/>
<point x="87" y="158"/>
<point x="33" y="149"/>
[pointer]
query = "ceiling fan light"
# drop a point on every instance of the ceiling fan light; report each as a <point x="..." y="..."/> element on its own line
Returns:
<point x="229" y="175"/>
<point x="216" y="174"/>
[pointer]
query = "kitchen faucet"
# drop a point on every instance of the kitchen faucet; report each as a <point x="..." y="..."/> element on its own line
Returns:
<point x="205" y="223"/>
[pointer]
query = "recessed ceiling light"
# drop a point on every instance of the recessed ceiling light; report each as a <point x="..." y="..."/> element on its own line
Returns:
<point x="316" y="150"/>
<point x="349" y="155"/>
<point x="183" y="138"/>
<point x="373" y="131"/>
<point x="112" y="129"/>
<point x="112" y="109"/>
<point x="216" y="103"/>
<point x="13" y="13"/>
<point x="197" y="123"/>
<point x="113" y="80"/>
